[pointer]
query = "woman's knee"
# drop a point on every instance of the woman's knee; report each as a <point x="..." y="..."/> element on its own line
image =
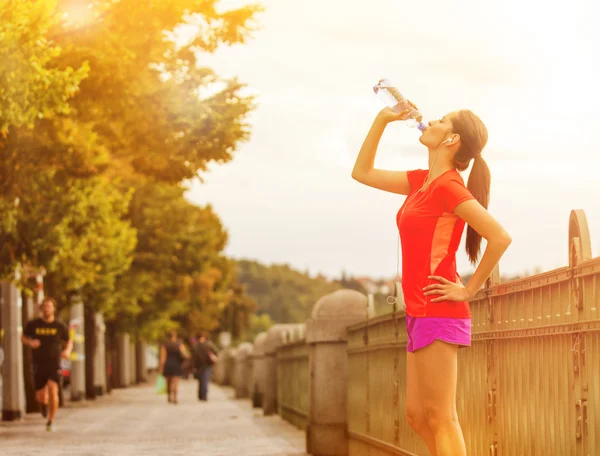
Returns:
<point x="438" y="417"/>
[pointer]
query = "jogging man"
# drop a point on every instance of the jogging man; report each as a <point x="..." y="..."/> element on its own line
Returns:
<point x="47" y="337"/>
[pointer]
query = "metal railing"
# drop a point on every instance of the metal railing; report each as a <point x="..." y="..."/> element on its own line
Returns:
<point x="530" y="383"/>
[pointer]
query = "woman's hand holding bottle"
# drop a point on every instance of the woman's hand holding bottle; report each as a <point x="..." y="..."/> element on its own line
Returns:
<point x="388" y="114"/>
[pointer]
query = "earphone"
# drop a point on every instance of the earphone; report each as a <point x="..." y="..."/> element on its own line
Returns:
<point x="449" y="140"/>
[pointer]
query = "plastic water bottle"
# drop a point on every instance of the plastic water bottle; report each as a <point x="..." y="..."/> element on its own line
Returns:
<point x="392" y="97"/>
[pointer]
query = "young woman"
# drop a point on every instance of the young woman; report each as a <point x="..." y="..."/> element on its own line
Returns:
<point x="172" y="355"/>
<point x="431" y="222"/>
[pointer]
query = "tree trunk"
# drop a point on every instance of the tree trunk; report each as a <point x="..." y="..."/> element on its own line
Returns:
<point x="111" y="360"/>
<point x="90" y="351"/>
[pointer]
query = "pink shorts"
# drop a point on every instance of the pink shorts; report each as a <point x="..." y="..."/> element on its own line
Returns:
<point x="423" y="331"/>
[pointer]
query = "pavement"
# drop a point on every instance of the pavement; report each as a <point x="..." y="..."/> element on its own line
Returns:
<point x="137" y="421"/>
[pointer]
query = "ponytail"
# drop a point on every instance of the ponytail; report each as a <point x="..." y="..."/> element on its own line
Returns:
<point x="473" y="138"/>
<point x="479" y="186"/>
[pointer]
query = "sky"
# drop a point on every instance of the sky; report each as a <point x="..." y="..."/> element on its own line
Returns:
<point x="528" y="71"/>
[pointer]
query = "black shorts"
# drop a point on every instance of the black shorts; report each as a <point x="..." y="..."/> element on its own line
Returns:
<point x="41" y="375"/>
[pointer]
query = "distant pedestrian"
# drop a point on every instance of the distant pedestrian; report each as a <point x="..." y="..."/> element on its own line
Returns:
<point x="172" y="355"/>
<point x="49" y="340"/>
<point x="204" y="354"/>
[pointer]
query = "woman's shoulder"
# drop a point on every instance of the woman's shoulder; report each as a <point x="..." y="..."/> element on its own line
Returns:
<point x="450" y="178"/>
<point x="416" y="178"/>
<point x="450" y="190"/>
<point x="418" y="173"/>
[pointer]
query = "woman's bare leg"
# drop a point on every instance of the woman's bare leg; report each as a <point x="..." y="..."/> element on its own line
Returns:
<point x="437" y="366"/>
<point x="415" y="411"/>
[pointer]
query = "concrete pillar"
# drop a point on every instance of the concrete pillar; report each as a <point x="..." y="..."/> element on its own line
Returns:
<point x="326" y="335"/>
<point x="219" y="369"/>
<point x="76" y="331"/>
<point x="275" y="338"/>
<point x="100" y="357"/>
<point x="223" y="366"/>
<point x="28" y="313"/>
<point x="241" y="370"/>
<point x="13" y="392"/>
<point x="141" y="362"/>
<point x="230" y="366"/>
<point x="257" y="379"/>
<point x="123" y="359"/>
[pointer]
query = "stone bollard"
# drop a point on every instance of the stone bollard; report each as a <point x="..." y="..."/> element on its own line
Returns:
<point x="327" y="431"/>
<point x="256" y="387"/>
<point x="295" y="333"/>
<point x="248" y="368"/>
<point x="275" y="338"/>
<point x="241" y="370"/>
<point x="230" y="366"/>
<point x="219" y="368"/>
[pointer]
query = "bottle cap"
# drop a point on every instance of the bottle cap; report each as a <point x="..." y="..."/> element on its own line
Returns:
<point x="421" y="126"/>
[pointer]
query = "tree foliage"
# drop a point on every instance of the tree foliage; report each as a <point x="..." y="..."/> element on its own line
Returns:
<point x="106" y="110"/>
<point x="31" y="87"/>
<point x="283" y="293"/>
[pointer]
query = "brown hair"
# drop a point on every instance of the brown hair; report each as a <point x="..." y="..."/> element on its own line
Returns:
<point x="473" y="135"/>
<point x="48" y="299"/>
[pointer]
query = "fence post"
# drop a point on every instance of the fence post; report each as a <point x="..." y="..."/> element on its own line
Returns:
<point x="492" y="371"/>
<point x="580" y="250"/>
<point x="326" y="334"/>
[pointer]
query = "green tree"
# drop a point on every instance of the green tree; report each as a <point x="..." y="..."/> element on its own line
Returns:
<point x="177" y="266"/>
<point x="259" y="323"/>
<point x="283" y="293"/>
<point x="147" y="116"/>
<point x="144" y="96"/>
<point x="139" y="112"/>
<point x="30" y="86"/>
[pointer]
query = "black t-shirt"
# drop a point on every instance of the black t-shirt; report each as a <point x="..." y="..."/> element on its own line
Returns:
<point x="52" y="336"/>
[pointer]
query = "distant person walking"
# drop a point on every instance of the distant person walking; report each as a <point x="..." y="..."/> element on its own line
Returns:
<point x="204" y="354"/>
<point x="431" y="223"/>
<point x="172" y="355"/>
<point x="49" y="340"/>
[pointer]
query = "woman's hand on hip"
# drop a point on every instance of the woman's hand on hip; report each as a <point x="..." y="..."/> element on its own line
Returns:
<point x="448" y="291"/>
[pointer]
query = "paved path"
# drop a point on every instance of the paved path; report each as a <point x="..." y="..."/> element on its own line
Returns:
<point x="135" y="421"/>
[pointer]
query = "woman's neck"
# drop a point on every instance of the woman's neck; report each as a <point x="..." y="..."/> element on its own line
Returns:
<point x="438" y="165"/>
